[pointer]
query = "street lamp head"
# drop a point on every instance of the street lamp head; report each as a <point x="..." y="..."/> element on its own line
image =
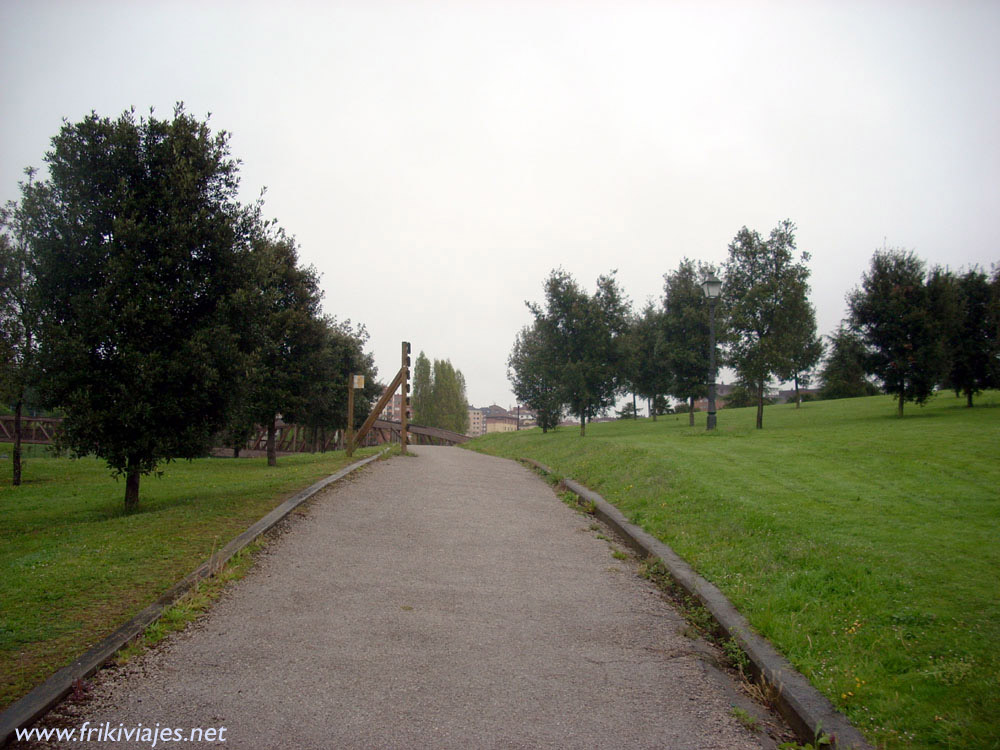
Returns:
<point x="711" y="286"/>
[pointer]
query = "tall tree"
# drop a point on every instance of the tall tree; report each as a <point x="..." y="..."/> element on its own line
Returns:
<point x="583" y="332"/>
<point x="766" y="290"/>
<point x="141" y="250"/>
<point x="18" y="309"/>
<point x="423" y="408"/>
<point x="971" y="340"/>
<point x="646" y="356"/>
<point x="439" y="398"/>
<point x="805" y="348"/>
<point x="995" y="321"/>
<point x="450" y="406"/>
<point x="843" y="374"/>
<point x="894" y="312"/>
<point x="534" y="377"/>
<point x="685" y="332"/>
<point x="341" y="354"/>
<point x="289" y="334"/>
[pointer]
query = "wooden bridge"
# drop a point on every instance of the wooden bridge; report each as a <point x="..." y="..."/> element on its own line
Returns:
<point x="34" y="430"/>
<point x="290" y="438"/>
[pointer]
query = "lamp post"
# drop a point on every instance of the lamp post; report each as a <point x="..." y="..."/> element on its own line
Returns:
<point x="712" y="287"/>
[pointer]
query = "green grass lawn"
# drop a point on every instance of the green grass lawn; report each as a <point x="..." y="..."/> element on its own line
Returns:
<point x="74" y="566"/>
<point x="865" y="547"/>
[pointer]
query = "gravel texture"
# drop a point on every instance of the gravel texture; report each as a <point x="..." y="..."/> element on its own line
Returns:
<point x="445" y="600"/>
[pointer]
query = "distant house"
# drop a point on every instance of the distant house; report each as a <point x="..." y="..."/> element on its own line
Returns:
<point x="721" y="391"/>
<point x="525" y="414"/>
<point x="506" y="423"/>
<point x="788" y="396"/>
<point x="393" y="410"/>
<point x="495" y="410"/>
<point x="477" y="422"/>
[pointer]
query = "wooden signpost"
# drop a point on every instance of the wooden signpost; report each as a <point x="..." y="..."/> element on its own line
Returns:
<point x="402" y="379"/>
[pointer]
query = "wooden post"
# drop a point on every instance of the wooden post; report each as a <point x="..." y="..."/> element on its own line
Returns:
<point x="350" y="416"/>
<point x="405" y="395"/>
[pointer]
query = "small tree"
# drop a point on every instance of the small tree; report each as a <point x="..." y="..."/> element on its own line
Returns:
<point x="646" y="356"/>
<point x="685" y="332"/>
<point x="18" y="308"/>
<point x="971" y="339"/>
<point x="583" y="332"/>
<point x="843" y="374"/>
<point x="141" y="251"/>
<point x="894" y="312"/>
<point x="533" y="377"/>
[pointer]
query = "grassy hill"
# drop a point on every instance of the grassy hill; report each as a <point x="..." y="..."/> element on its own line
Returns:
<point x="864" y="546"/>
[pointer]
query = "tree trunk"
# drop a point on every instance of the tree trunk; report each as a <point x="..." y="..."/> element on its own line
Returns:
<point x="968" y="399"/>
<point x="16" y="479"/>
<point x="652" y="407"/>
<point x="236" y="451"/>
<point x="583" y="423"/>
<point x="131" y="489"/>
<point x="901" y="393"/>
<point x="760" y="405"/>
<point x="798" y="398"/>
<point x="272" y="453"/>
<point x="691" y="412"/>
<point x="635" y="412"/>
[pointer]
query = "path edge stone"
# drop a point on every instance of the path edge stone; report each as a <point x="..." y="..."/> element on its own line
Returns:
<point x="808" y="712"/>
<point x="33" y="706"/>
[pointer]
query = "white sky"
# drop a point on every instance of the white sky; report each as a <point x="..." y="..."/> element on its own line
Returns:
<point x="436" y="160"/>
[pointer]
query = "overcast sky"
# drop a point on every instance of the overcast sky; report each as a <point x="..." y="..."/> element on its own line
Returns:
<point x="435" y="160"/>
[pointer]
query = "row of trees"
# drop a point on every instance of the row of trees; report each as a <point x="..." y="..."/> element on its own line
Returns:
<point x="583" y="351"/>
<point x="915" y="329"/>
<point x="158" y="313"/>
<point x="909" y="329"/>
<point x="439" y="398"/>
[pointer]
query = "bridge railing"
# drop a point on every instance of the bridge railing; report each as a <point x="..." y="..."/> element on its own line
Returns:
<point x="291" y="438"/>
<point x="34" y="430"/>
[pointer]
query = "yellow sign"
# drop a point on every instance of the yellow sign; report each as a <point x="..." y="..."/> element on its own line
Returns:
<point x="359" y="381"/>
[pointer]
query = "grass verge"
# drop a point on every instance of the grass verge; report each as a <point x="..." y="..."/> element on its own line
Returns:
<point x="74" y="565"/>
<point x="864" y="547"/>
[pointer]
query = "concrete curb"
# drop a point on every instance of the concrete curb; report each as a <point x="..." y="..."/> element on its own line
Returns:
<point x="808" y="711"/>
<point x="38" y="702"/>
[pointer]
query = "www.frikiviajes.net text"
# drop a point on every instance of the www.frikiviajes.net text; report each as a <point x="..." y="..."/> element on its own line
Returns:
<point x="105" y="732"/>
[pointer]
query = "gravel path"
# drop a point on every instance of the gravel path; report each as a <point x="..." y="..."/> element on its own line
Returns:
<point x="447" y="600"/>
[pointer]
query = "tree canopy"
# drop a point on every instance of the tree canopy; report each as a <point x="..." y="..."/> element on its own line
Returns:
<point x="894" y="311"/>
<point x="439" y="398"/>
<point x="843" y="374"/>
<point x="534" y="377"/>
<point x="18" y="307"/>
<point x="141" y="249"/>
<point x="685" y="331"/>
<point x="971" y="340"/>
<point x="582" y="334"/>
<point x="766" y="289"/>
<point x="288" y="334"/>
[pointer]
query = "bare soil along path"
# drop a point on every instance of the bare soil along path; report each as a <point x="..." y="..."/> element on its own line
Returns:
<point x="446" y="600"/>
